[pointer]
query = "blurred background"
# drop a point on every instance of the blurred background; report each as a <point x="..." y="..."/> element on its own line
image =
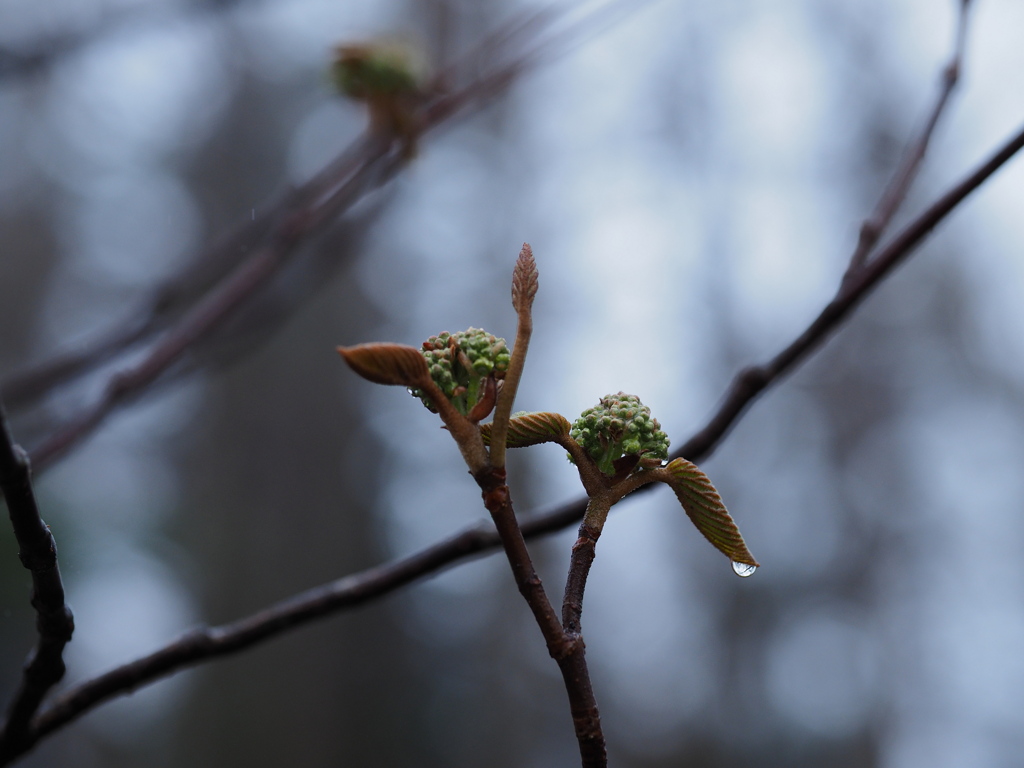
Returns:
<point x="692" y="178"/>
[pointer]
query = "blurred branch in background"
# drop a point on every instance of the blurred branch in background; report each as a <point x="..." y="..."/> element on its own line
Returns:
<point x="208" y="643"/>
<point x="898" y="188"/>
<point x="228" y="272"/>
<point x="193" y="304"/>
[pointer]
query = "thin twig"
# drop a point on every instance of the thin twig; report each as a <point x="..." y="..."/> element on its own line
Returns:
<point x="582" y="558"/>
<point x="54" y="622"/>
<point x="318" y="202"/>
<point x="896" y="193"/>
<point x="493" y="64"/>
<point x="380" y="163"/>
<point x="749" y="383"/>
<point x="203" y="644"/>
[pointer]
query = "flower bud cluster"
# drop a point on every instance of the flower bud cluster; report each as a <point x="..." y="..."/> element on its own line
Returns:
<point x="466" y="366"/>
<point x="369" y="70"/>
<point x="619" y="425"/>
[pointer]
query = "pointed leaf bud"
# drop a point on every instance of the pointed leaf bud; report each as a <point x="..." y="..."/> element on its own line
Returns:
<point x="525" y="280"/>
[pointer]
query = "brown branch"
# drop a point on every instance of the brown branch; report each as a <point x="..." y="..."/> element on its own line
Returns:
<point x="583" y="553"/>
<point x="603" y="494"/>
<point x="54" y="622"/>
<point x="749" y="383"/>
<point x="495" y="63"/>
<point x="203" y="644"/>
<point x="566" y="648"/>
<point x="891" y="200"/>
<point x="369" y="164"/>
<point x="170" y="298"/>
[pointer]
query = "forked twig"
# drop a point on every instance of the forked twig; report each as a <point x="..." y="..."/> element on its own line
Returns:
<point x="896" y="193"/>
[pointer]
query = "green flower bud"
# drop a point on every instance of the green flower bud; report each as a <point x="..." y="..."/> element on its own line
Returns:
<point x="620" y="425"/>
<point x="374" y="69"/>
<point x="463" y="365"/>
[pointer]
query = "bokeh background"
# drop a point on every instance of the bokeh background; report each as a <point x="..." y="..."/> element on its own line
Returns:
<point x="692" y="180"/>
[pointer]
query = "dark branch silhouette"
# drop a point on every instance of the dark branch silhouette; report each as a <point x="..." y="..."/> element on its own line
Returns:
<point x="54" y="623"/>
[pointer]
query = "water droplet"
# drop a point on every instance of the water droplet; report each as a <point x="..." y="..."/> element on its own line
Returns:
<point x="743" y="569"/>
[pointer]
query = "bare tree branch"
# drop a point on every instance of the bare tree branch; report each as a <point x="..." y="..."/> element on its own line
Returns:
<point x="208" y="643"/>
<point x="54" y="622"/>
<point x="484" y="72"/>
<point x="378" y="162"/>
<point x="165" y="303"/>
<point x="366" y="165"/>
<point x="895" y="194"/>
<point x="566" y="648"/>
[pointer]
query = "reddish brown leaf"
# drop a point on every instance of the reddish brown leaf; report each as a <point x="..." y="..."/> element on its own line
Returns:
<point x="387" y="363"/>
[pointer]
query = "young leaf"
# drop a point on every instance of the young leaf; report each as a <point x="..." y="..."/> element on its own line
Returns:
<point x="387" y="363"/>
<point x="527" y="429"/>
<point x="704" y="507"/>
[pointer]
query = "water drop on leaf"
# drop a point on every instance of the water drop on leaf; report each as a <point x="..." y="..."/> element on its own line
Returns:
<point x="744" y="569"/>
